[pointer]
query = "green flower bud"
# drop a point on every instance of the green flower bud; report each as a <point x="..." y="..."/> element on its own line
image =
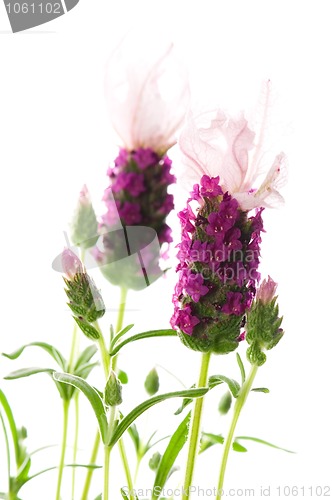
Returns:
<point x="263" y="323"/>
<point x="84" y="227"/>
<point x="155" y="461"/>
<point x="84" y="297"/>
<point x="225" y="403"/>
<point x="85" y="300"/>
<point x="113" y="390"/>
<point x="151" y="383"/>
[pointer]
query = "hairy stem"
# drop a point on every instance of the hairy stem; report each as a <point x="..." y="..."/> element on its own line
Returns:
<point x="195" y="426"/>
<point x="240" y="401"/>
<point x="63" y="447"/>
<point x="89" y="473"/>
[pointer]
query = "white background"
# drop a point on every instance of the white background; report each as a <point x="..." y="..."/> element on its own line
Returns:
<point x="55" y="136"/>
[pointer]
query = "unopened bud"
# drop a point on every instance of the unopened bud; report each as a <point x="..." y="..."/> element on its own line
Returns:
<point x="113" y="390"/>
<point x="151" y="383"/>
<point x="267" y="290"/>
<point x="84" y="226"/>
<point x="263" y="323"/>
<point x="225" y="403"/>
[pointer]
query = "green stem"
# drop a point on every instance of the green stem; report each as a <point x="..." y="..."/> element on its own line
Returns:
<point x="77" y="415"/>
<point x="122" y="307"/>
<point x="63" y="447"/>
<point x="104" y="354"/>
<point x="73" y="349"/>
<point x="89" y="473"/>
<point x="240" y="401"/>
<point x="106" y="361"/>
<point x="7" y="450"/>
<point x="125" y="463"/>
<point x="107" y="452"/>
<point x="119" y="323"/>
<point x="195" y="427"/>
<point x="71" y="365"/>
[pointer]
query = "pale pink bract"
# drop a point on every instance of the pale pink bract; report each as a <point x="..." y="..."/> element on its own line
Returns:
<point x="215" y="144"/>
<point x="147" y="93"/>
<point x="267" y="290"/>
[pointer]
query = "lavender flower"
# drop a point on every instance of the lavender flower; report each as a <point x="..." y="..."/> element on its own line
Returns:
<point x="220" y="248"/>
<point x="219" y="256"/>
<point x="146" y="117"/>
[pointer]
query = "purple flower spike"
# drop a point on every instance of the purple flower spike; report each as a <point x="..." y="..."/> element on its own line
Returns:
<point x="218" y="260"/>
<point x="145" y="158"/>
<point x="130" y="213"/>
<point x="137" y="195"/>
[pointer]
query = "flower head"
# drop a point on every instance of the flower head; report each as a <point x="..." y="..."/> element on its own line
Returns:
<point x="218" y="261"/>
<point x="224" y="148"/>
<point x="147" y="93"/>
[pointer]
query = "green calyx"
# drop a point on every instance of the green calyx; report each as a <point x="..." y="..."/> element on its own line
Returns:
<point x="263" y="330"/>
<point x="113" y="391"/>
<point x="219" y="336"/>
<point x="85" y="302"/>
<point x="84" y="227"/>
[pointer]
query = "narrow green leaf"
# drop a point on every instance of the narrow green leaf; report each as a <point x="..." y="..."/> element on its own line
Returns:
<point x="261" y="389"/>
<point x="92" y="396"/>
<point x="24" y="469"/>
<point x="136" y="412"/>
<point x="85" y="356"/>
<point x="85" y="369"/>
<point x="86" y="466"/>
<point x="185" y="403"/>
<point x="233" y="385"/>
<point x="241" y="366"/>
<point x="133" y="433"/>
<point x="149" y="443"/>
<point x="173" y="449"/>
<point x="123" y="494"/>
<point x="208" y="439"/>
<point x="26" y="372"/>
<point x="50" y="349"/>
<point x="120" y="334"/>
<point x="143" y="335"/>
<point x="262" y="441"/>
<point x="238" y="447"/>
<point x="42" y="448"/>
<point x="12" y="425"/>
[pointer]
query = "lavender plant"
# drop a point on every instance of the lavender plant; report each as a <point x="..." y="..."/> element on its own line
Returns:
<point x="218" y="301"/>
